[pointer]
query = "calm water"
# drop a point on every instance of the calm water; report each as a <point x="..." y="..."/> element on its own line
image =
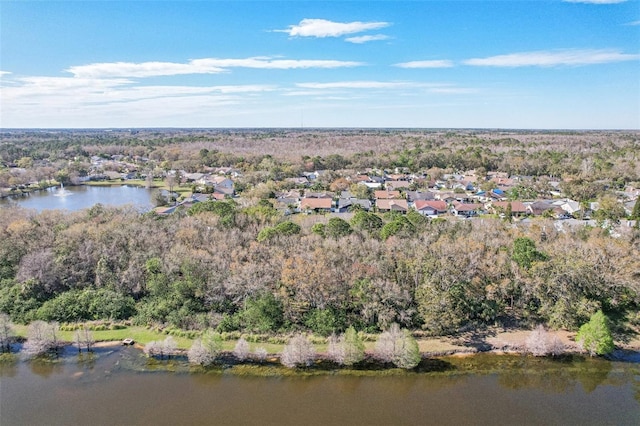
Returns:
<point x="111" y="391"/>
<point x="81" y="197"/>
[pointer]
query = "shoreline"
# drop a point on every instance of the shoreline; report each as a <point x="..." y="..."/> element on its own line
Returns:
<point x="504" y="342"/>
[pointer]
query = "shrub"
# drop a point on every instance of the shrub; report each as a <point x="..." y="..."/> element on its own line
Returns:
<point x="298" y="352"/>
<point x="241" y="350"/>
<point x="262" y="313"/>
<point x="542" y="343"/>
<point x="322" y="321"/>
<point x="205" y="350"/>
<point x="347" y="349"/>
<point x="260" y="354"/>
<point x="399" y="347"/>
<point x="595" y="336"/>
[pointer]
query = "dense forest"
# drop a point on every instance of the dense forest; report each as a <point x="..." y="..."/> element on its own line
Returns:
<point x="263" y="155"/>
<point x="215" y="266"/>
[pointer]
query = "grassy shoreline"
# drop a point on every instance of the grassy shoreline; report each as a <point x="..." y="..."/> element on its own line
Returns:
<point x="488" y="340"/>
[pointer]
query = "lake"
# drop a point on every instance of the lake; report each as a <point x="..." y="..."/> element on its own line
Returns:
<point x="118" y="388"/>
<point x="81" y="197"/>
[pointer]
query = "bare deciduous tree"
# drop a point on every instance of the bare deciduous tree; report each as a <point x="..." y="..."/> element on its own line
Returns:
<point x="387" y="344"/>
<point x="542" y="343"/>
<point x="260" y="354"/>
<point x="169" y="346"/>
<point x="198" y="354"/>
<point x="153" y="348"/>
<point x="298" y="352"/>
<point x="205" y="350"/>
<point x="84" y="337"/>
<point x="334" y="349"/>
<point x="347" y="349"/>
<point x="41" y="338"/>
<point x="241" y="350"/>
<point x="166" y="347"/>
<point x="399" y="347"/>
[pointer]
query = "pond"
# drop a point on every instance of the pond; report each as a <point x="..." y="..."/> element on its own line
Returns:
<point x="80" y="197"/>
<point x="118" y="388"/>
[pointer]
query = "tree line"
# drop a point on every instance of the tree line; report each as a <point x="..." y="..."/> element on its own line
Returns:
<point x="593" y="160"/>
<point x="224" y="267"/>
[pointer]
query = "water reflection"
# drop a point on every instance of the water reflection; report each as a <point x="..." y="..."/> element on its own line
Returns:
<point x="8" y="368"/>
<point x="45" y="368"/>
<point x="114" y="386"/>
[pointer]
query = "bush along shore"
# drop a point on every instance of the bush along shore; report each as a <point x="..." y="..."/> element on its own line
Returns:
<point x="395" y="349"/>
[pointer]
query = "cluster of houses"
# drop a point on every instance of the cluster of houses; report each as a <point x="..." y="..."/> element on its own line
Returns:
<point x="428" y="203"/>
<point x="463" y="195"/>
<point x="458" y="195"/>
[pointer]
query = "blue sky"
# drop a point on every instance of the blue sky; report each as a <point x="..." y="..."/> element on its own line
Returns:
<point x="427" y="64"/>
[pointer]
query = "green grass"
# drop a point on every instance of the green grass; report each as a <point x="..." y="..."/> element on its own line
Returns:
<point x="140" y="335"/>
<point x="118" y="182"/>
<point x="144" y="335"/>
<point x="160" y="184"/>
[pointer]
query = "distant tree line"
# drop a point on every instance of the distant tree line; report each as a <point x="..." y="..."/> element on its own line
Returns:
<point x="594" y="161"/>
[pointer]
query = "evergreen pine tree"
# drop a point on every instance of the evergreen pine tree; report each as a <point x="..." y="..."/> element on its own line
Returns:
<point x="595" y="336"/>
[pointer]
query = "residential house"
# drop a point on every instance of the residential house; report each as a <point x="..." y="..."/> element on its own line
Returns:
<point x="539" y="207"/>
<point x="466" y="209"/>
<point x="430" y="207"/>
<point x="345" y="204"/>
<point x="398" y="177"/>
<point x="386" y="194"/>
<point x="193" y="177"/>
<point x="518" y="209"/>
<point x="288" y="201"/>
<point x="316" y="204"/>
<point x="221" y="182"/>
<point x="298" y="181"/>
<point x="395" y="205"/>
<point x="497" y="194"/>
<point x="570" y="206"/>
<point x="309" y="194"/>
<point x="413" y="196"/>
<point x="374" y="182"/>
<point x="396" y="184"/>
<point x="465" y="185"/>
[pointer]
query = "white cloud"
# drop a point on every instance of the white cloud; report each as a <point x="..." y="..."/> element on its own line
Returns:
<point x="196" y="66"/>
<point x="323" y="28"/>
<point x="66" y="86"/>
<point x="453" y="90"/>
<point x="143" y="69"/>
<point x="356" y="85"/>
<point x="85" y="102"/>
<point x="634" y="23"/>
<point x="78" y="91"/>
<point x="569" y="57"/>
<point x="282" y="64"/>
<point x="4" y="73"/>
<point x="595" y="1"/>
<point x="408" y="86"/>
<point x="441" y="63"/>
<point x="366" y="38"/>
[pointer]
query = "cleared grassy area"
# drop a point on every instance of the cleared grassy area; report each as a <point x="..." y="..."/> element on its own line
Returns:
<point x="157" y="184"/>
<point x="118" y="182"/>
